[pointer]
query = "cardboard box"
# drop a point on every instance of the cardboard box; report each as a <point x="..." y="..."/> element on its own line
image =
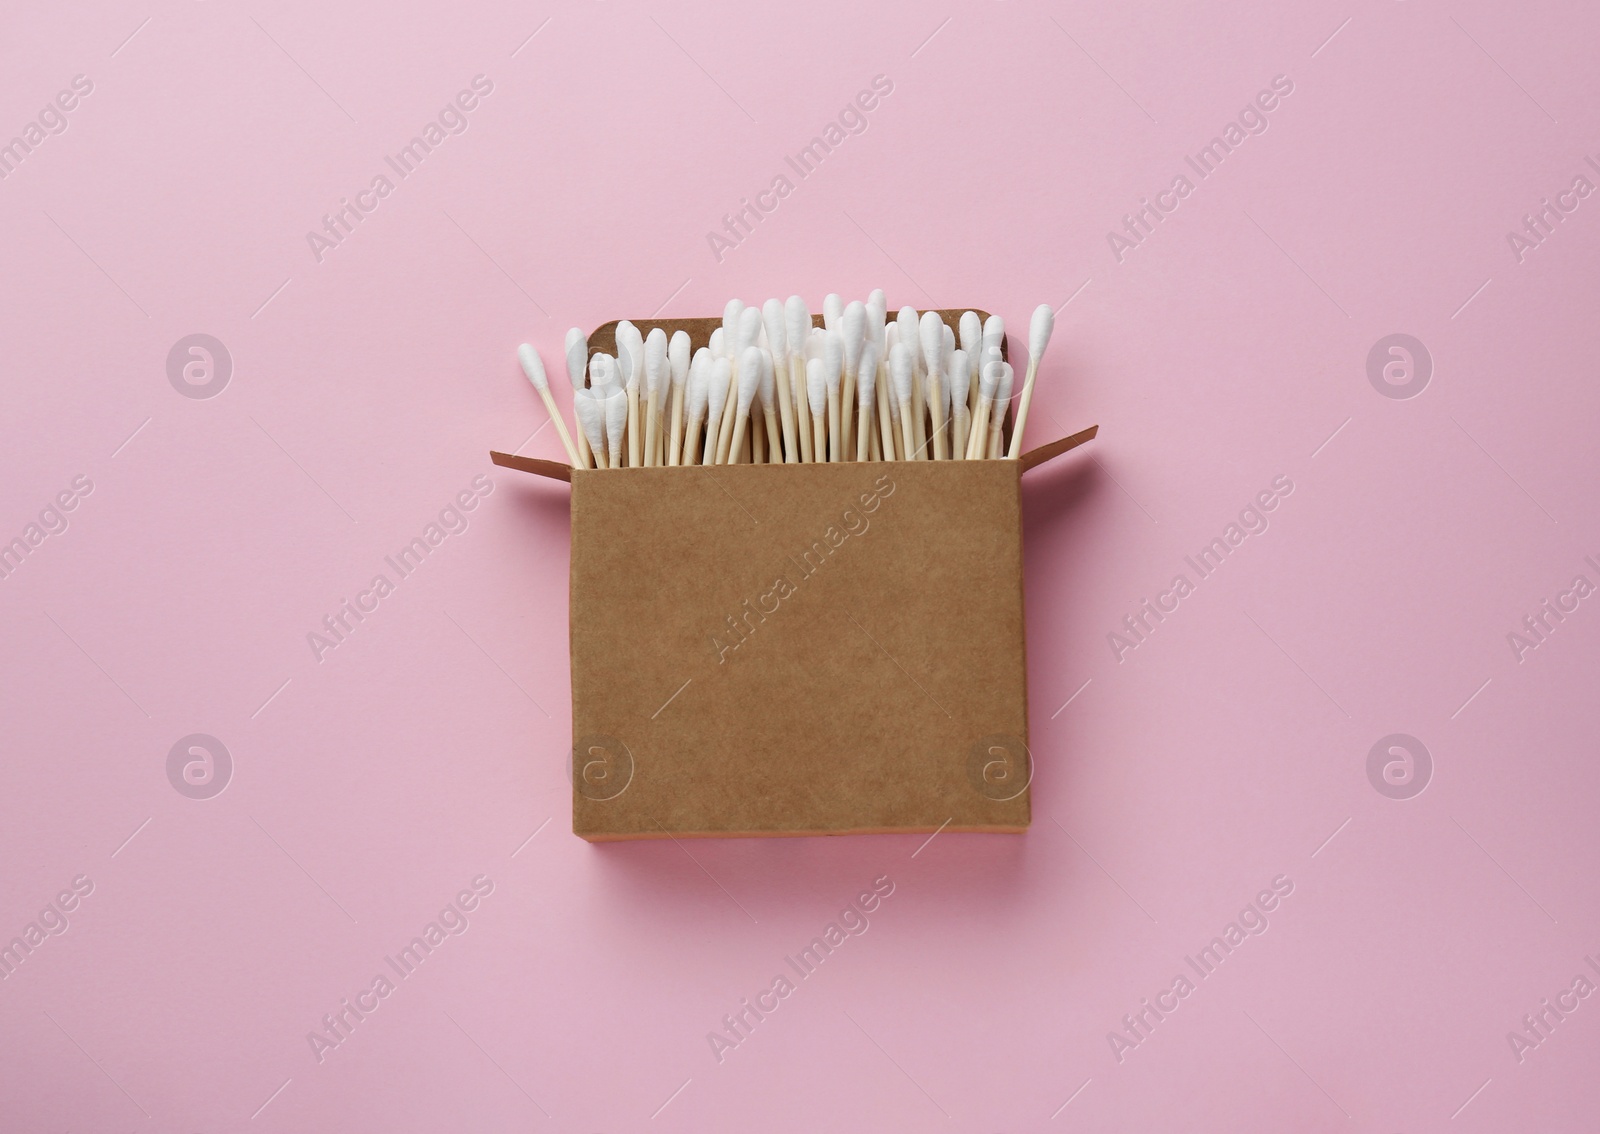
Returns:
<point x="797" y="649"/>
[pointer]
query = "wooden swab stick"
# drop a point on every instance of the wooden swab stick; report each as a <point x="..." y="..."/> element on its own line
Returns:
<point x="853" y="329"/>
<point x="832" y="371"/>
<point x="960" y="391"/>
<point x="933" y="354"/>
<point x="817" y="397"/>
<point x="886" y="419"/>
<point x="577" y="362"/>
<point x="533" y="367"/>
<point x="718" y="379"/>
<point x="994" y="337"/>
<point x="910" y="336"/>
<point x="797" y="328"/>
<point x="591" y="422"/>
<point x="865" y="397"/>
<point x="778" y="344"/>
<point x="1044" y="322"/>
<point x="902" y="373"/>
<point x="749" y="382"/>
<point x="988" y="382"/>
<point x="767" y="394"/>
<point x="730" y="408"/>
<point x="749" y="327"/>
<point x="656" y="378"/>
<point x="630" y="360"/>
<point x="678" y="362"/>
<point x="997" y="419"/>
<point x="616" y="407"/>
<point x="695" y="404"/>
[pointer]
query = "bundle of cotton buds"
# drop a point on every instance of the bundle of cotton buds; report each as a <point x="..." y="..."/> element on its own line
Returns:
<point x="771" y="387"/>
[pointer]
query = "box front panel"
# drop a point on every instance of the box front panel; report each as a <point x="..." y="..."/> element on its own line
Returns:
<point x="798" y="649"/>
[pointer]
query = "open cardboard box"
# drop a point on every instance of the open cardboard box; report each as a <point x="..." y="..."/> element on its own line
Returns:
<point x="808" y="649"/>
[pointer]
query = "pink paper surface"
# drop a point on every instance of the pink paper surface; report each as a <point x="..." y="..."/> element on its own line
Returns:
<point x="1179" y="772"/>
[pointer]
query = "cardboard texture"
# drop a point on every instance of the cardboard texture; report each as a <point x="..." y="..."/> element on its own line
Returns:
<point x="765" y="650"/>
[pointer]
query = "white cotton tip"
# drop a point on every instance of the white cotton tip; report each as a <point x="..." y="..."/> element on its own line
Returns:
<point x="814" y="341"/>
<point x="867" y="374"/>
<point x="1044" y="322"/>
<point x="616" y="421"/>
<point x="699" y="389"/>
<point x="749" y="329"/>
<point x="994" y="334"/>
<point x="959" y="378"/>
<point x="749" y="376"/>
<point x="717" y="390"/>
<point x="678" y="358"/>
<point x="971" y="333"/>
<point x="796" y="323"/>
<point x="891" y="335"/>
<point x="949" y="340"/>
<point x="630" y="354"/>
<point x="719" y="343"/>
<point x="768" y="390"/>
<point x="816" y="388"/>
<point x="990" y="354"/>
<point x="772" y="320"/>
<point x="602" y="373"/>
<point x="1002" y="392"/>
<point x="877" y="308"/>
<point x="832" y="358"/>
<point x="655" y="362"/>
<point x="989" y="380"/>
<point x="932" y="342"/>
<point x="853" y="331"/>
<point x="832" y="311"/>
<point x="591" y="418"/>
<point x="730" y="318"/>
<point x="577" y="357"/>
<point x="909" y="334"/>
<point x="901" y="368"/>
<point x="533" y="367"/>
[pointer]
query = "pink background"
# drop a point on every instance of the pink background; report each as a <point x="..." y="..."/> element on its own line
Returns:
<point x="428" y="749"/>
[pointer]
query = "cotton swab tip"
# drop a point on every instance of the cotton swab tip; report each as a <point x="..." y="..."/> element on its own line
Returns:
<point x="989" y="380"/>
<point x="717" y="393"/>
<point x="1002" y="393"/>
<point x="630" y="353"/>
<point x="901" y="368"/>
<point x="533" y="367"/>
<point x="832" y="311"/>
<point x="777" y="338"/>
<point x="768" y="390"/>
<point x="816" y="387"/>
<point x="867" y="375"/>
<point x="749" y="328"/>
<point x="853" y="328"/>
<point x="678" y="358"/>
<point x="832" y="358"/>
<point x="971" y="333"/>
<point x="577" y="347"/>
<point x="699" y="374"/>
<point x="909" y="332"/>
<point x="655" y="360"/>
<point x="933" y="341"/>
<point x="797" y="323"/>
<point x="1044" y="322"/>
<point x="749" y="376"/>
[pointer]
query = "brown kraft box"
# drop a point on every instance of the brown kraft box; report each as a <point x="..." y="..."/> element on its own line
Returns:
<point x="807" y="649"/>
